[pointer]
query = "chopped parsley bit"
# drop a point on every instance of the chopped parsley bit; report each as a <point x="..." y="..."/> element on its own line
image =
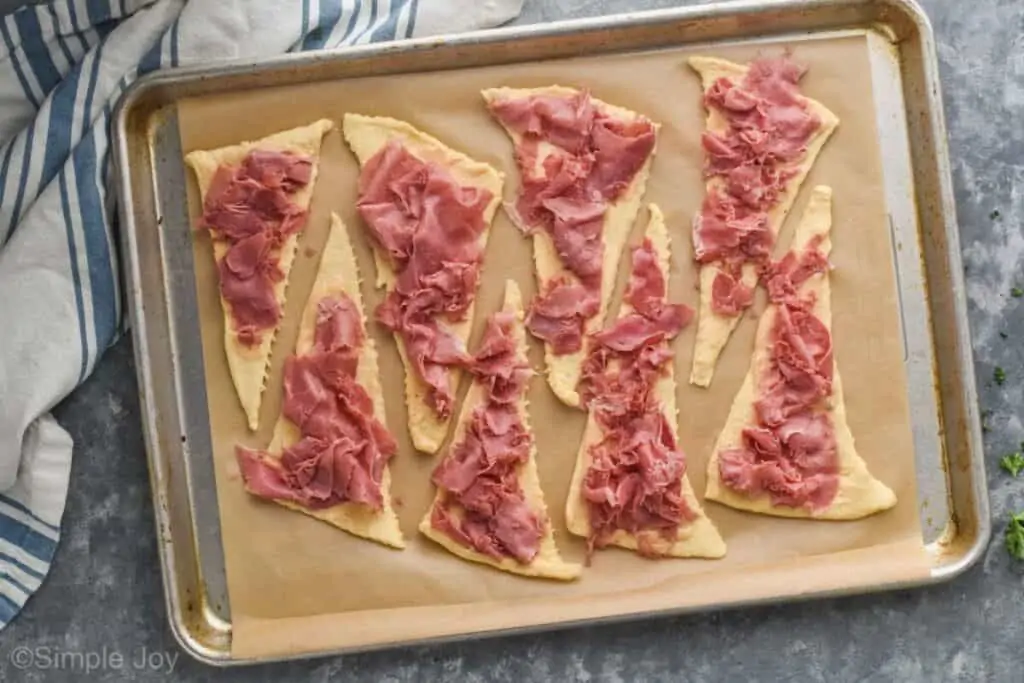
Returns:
<point x="999" y="375"/>
<point x="1017" y="292"/>
<point x="994" y="214"/>
<point x="1003" y="335"/>
<point x="1013" y="463"/>
<point x="1015" y="536"/>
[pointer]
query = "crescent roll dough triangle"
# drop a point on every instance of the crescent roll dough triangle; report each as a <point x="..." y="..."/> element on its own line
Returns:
<point x="698" y="538"/>
<point x="714" y="330"/>
<point x="859" y="493"/>
<point x="339" y="274"/>
<point x="248" y="364"/>
<point x="563" y="371"/>
<point x="548" y="563"/>
<point x="367" y="135"/>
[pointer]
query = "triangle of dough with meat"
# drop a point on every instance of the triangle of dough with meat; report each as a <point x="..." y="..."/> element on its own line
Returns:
<point x="367" y="135"/>
<point x="249" y="365"/>
<point x="859" y="493"/>
<point x="548" y="563"/>
<point x="714" y="330"/>
<point x="698" y="538"/>
<point x="563" y="371"/>
<point x="339" y="274"/>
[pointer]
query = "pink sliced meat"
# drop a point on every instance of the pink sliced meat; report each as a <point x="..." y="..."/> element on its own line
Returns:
<point x="483" y="506"/>
<point x="634" y="479"/>
<point x="790" y="454"/>
<point x="729" y="295"/>
<point x="343" y="449"/>
<point x="725" y="231"/>
<point x="596" y="158"/>
<point x="429" y="227"/>
<point x="768" y="129"/>
<point x="559" y="314"/>
<point x="250" y="207"/>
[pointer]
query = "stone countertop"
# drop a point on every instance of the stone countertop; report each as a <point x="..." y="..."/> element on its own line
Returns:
<point x="104" y="592"/>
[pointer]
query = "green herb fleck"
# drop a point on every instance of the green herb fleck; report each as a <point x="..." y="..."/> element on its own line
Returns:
<point x="999" y="375"/>
<point x="1003" y="335"/>
<point x="1013" y="463"/>
<point x="1015" y="536"/>
<point x="994" y="214"/>
<point x="1017" y="292"/>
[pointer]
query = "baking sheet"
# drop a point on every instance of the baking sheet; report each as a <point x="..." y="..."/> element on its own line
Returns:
<point x="298" y="585"/>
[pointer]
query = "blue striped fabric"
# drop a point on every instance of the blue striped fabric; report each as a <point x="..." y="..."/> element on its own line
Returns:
<point x="63" y="66"/>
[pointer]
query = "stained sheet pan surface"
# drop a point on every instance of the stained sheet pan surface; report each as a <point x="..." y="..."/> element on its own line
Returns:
<point x="951" y="507"/>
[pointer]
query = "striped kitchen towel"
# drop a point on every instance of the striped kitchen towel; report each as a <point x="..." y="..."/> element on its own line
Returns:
<point x="63" y="65"/>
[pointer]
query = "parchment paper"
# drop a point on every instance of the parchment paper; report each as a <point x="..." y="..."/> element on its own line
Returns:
<point x="298" y="585"/>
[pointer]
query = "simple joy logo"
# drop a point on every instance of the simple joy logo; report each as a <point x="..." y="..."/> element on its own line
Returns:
<point x="52" y="658"/>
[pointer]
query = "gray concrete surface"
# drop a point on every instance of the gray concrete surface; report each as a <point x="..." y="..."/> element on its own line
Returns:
<point x="104" y="593"/>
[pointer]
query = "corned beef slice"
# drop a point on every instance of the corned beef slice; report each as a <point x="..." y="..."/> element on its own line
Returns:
<point x="250" y="208"/>
<point x="768" y="129"/>
<point x="634" y="481"/>
<point x="791" y="454"/>
<point x="483" y="506"/>
<point x="429" y="227"/>
<point x="595" y="159"/>
<point x="343" y="448"/>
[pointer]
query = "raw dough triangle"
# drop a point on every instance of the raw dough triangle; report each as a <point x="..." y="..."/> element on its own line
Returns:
<point x="548" y="563"/>
<point x="859" y="494"/>
<point x="248" y="365"/>
<point x="713" y="330"/>
<point x="338" y="273"/>
<point x="563" y="372"/>
<point x="367" y="135"/>
<point x="699" y="538"/>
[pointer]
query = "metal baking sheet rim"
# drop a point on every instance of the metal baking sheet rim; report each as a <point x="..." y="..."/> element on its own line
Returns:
<point x="960" y="553"/>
